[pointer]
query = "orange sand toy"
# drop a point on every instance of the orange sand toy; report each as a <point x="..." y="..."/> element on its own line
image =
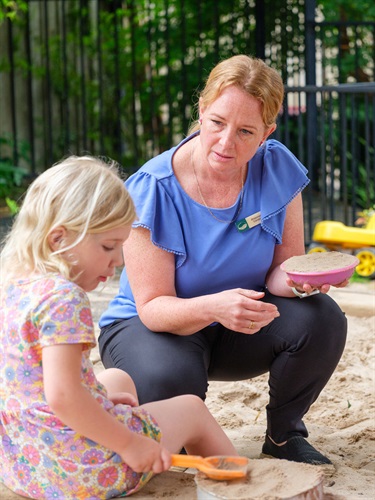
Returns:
<point x="220" y="468"/>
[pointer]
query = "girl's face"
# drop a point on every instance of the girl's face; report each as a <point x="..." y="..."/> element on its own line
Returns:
<point x="95" y="258"/>
<point x="232" y="129"/>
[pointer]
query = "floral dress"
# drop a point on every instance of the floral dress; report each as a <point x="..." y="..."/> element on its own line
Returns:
<point x="40" y="457"/>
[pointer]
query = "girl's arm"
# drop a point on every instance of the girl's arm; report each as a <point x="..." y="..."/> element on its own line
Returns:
<point x="73" y="404"/>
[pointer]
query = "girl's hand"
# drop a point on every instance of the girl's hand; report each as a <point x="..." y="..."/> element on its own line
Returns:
<point x="124" y="398"/>
<point x="143" y="454"/>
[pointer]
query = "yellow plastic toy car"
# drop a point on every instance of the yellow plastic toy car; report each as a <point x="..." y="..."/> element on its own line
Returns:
<point x="360" y="241"/>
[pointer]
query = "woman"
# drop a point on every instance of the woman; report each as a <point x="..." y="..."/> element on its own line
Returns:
<point x="202" y="296"/>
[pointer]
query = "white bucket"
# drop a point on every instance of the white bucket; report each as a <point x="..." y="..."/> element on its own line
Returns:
<point x="266" y="478"/>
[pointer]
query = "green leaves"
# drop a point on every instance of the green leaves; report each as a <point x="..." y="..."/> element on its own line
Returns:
<point x="11" y="9"/>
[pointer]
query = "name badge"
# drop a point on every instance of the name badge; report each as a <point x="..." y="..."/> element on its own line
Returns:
<point x="249" y="222"/>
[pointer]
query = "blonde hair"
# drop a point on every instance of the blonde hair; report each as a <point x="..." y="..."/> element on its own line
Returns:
<point x="252" y="76"/>
<point x="82" y="194"/>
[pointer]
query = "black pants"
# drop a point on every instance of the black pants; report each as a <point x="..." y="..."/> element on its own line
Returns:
<point x="300" y="350"/>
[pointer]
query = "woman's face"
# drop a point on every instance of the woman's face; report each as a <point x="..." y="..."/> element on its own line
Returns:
<point x="232" y="129"/>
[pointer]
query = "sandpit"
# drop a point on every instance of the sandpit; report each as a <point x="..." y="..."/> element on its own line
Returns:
<point x="341" y="422"/>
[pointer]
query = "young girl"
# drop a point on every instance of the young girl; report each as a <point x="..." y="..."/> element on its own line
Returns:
<point x="65" y="432"/>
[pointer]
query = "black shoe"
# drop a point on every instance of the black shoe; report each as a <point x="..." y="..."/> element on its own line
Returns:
<point x="296" y="449"/>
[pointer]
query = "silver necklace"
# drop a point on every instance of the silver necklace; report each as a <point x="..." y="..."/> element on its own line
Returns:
<point x="204" y="201"/>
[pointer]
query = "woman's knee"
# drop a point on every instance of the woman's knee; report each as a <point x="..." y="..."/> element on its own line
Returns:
<point x="162" y="365"/>
<point x="326" y="330"/>
<point x="329" y="322"/>
<point x="176" y="381"/>
<point x="315" y="325"/>
<point x="161" y="375"/>
<point x="116" y="380"/>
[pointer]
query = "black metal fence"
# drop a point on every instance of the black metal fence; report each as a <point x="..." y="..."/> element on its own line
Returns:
<point x="120" y="79"/>
<point x="334" y="137"/>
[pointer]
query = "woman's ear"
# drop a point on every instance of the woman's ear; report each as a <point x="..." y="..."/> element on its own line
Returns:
<point x="201" y="108"/>
<point x="56" y="238"/>
<point x="270" y="131"/>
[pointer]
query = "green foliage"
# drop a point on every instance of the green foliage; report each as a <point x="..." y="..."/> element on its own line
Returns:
<point x="12" y="205"/>
<point x="364" y="215"/>
<point x="11" y="180"/>
<point x="363" y="10"/>
<point x="11" y="9"/>
<point x="128" y="79"/>
<point x="12" y="177"/>
<point x="148" y="69"/>
<point x="350" y="51"/>
<point x="356" y="278"/>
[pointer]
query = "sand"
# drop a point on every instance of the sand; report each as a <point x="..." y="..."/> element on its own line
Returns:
<point x="319" y="262"/>
<point x="341" y="423"/>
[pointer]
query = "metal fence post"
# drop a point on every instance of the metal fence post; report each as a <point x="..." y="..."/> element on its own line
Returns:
<point x="311" y="107"/>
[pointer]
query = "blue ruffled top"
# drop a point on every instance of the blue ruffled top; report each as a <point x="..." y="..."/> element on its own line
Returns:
<point x="211" y="256"/>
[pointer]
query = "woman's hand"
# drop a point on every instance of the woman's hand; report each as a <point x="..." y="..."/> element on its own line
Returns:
<point x="243" y="311"/>
<point x="343" y="284"/>
<point x="308" y="289"/>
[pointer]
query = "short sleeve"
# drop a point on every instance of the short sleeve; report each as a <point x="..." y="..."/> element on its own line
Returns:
<point x="156" y="211"/>
<point x="283" y="178"/>
<point x="64" y="316"/>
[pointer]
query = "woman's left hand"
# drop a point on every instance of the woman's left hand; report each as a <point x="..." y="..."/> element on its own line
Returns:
<point x="308" y="289"/>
